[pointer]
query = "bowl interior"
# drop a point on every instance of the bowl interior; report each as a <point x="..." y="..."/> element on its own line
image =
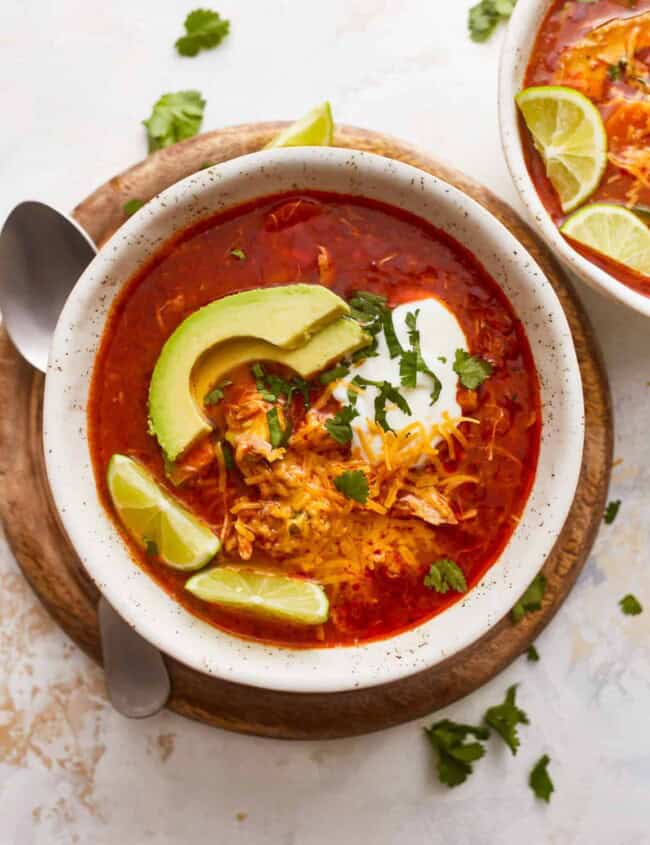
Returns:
<point x="517" y="47"/>
<point x="136" y="596"/>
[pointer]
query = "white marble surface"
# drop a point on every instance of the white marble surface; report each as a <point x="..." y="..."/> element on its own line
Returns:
<point x="76" y="77"/>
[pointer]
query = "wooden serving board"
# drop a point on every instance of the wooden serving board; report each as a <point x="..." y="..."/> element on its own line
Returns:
<point x="52" y="568"/>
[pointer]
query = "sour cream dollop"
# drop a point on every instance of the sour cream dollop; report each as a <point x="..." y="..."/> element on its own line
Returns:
<point x="440" y="337"/>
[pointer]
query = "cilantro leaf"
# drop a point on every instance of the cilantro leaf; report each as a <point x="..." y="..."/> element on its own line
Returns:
<point x="339" y="428"/>
<point x="505" y="717"/>
<point x="228" y="455"/>
<point x="532" y="654"/>
<point x="174" y="117"/>
<point x="611" y="511"/>
<point x="239" y="254"/>
<point x="413" y="363"/>
<point x="334" y="374"/>
<point x="630" y="605"/>
<point x="408" y="369"/>
<point x="445" y="575"/>
<point x="455" y="755"/>
<point x="204" y="29"/>
<point x="368" y="309"/>
<point x="271" y="386"/>
<point x="353" y="484"/>
<point x="531" y="599"/>
<point x="217" y="394"/>
<point x="277" y="436"/>
<point x="486" y="15"/>
<point x="131" y="206"/>
<point x="387" y="393"/>
<point x="472" y="371"/>
<point x="540" y="781"/>
<point x="394" y="346"/>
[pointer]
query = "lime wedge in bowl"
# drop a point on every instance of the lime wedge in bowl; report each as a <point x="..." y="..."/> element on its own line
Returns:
<point x="293" y="600"/>
<point x="569" y="134"/>
<point x="315" y="129"/>
<point x="613" y="231"/>
<point x="155" y="520"/>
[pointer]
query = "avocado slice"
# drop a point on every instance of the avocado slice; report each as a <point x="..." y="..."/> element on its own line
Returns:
<point x="279" y="322"/>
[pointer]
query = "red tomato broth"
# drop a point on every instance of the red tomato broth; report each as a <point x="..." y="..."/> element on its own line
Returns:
<point x="281" y="245"/>
<point x="567" y="22"/>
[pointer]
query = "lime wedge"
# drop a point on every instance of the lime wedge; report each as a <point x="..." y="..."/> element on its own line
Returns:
<point x="157" y="522"/>
<point x="569" y="134"/>
<point x="614" y="231"/>
<point x="293" y="600"/>
<point x="315" y="129"/>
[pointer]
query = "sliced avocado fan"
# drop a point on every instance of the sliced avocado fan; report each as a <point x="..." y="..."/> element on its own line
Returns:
<point x="304" y="327"/>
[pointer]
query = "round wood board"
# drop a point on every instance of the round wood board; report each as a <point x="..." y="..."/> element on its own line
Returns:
<point x="52" y="568"/>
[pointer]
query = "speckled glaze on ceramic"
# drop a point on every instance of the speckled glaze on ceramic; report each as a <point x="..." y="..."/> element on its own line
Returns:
<point x="135" y="595"/>
<point x="515" y="55"/>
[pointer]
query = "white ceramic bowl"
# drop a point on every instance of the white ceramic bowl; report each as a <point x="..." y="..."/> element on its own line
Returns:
<point x="136" y="596"/>
<point x="517" y="47"/>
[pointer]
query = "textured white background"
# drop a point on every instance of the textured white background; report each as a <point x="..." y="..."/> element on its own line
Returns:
<point x="76" y="78"/>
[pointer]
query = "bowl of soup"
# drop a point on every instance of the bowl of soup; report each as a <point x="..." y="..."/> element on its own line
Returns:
<point x="313" y="420"/>
<point x="574" y="111"/>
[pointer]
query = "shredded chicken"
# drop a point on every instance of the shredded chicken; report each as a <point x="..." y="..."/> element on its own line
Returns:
<point x="427" y="504"/>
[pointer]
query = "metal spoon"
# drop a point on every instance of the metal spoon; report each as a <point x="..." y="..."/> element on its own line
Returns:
<point x="42" y="254"/>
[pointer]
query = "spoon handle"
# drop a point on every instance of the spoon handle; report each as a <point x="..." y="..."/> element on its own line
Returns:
<point x="137" y="679"/>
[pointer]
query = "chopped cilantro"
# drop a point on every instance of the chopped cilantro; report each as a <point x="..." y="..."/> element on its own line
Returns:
<point x="239" y="254"/>
<point x="353" y="484"/>
<point x="531" y="599"/>
<point x="532" y="654"/>
<point x="339" y="428"/>
<point x="445" y="575"/>
<point x="505" y="717"/>
<point x="540" y="781"/>
<point x="228" y="455"/>
<point x="615" y="72"/>
<point x="442" y="359"/>
<point x="486" y="15"/>
<point x="204" y="29"/>
<point x="150" y="547"/>
<point x="368" y="309"/>
<point x="277" y="436"/>
<point x="217" y="394"/>
<point x="472" y="370"/>
<point x="455" y="755"/>
<point x="271" y="386"/>
<point x="131" y="206"/>
<point x="611" y="511"/>
<point x="334" y="374"/>
<point x="394" y="346"/>
<point x="207" y="164"/>
<point x="630" y="605"/>
<point x="412" y="361"/>
<point x="387" y="393"/>
<point x="174" y="117"/>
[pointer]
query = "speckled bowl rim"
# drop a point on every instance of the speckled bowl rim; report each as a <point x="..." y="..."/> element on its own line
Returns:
<point x="136" y="596"/>
<point x="515" y="54"/>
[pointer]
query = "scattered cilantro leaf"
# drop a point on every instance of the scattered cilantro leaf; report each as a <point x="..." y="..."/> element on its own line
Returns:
<point x="531" y="599"/>
<point x="532" y="654"/>
<point x="408" y="369"/>
<point x="228" y="455"/>
<point x="455" y="755"/>
<point x="277" y="436"/>
<point x="387" y="393"/>
<point x="339" y="428"/>
<point x="131" y="206"/>
<point x="616" y="71"/>
<point x="204" y="29"/>
<point x="174" y="117"/>
<point x="630" y="605"/>
<point x="394" y="346"/>
<point x="150" y="547"/>
<point x="611" y="511"/>
<point x="259" y="374"/>
<point x="271" y="386"/>
<point x="412" y="361"/>
<point x="334" y="374"/>
<point x="445" y="575"/>
<point x="539" y="779"/>
<point x="216" y="394"/>
<point x="238" y="253"/>
<point x="442" y="359"/>
<point x="368" y="310"/>
<point x="353" y="484"/>
<point x="505" y="717"/>
<point x="486" y="15"/>
<point x="472" y="371"/>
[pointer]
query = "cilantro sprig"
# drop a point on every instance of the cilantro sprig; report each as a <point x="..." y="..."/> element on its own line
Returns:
<point x="204" y="30"/>
<point x="630" y="605"/>
<point x="455" y="753"/>
<point x="353" y="484"/>
<point x="486" y="15"/>
<point x="531" y="599"/>
<point x="387" y="393"/>
<point x="338" y="427"/>
<point x="505" y="717"/>
<point x="471" y="369"/>
<point x="445" y="575"/>
<point x="412" y="362"/>
<point x="540" y="781"/>
<point x="174" y="117"/>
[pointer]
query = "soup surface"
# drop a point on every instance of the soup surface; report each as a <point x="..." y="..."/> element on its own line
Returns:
<point x="447" y="476"/>
<point x="602" y="49"/>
